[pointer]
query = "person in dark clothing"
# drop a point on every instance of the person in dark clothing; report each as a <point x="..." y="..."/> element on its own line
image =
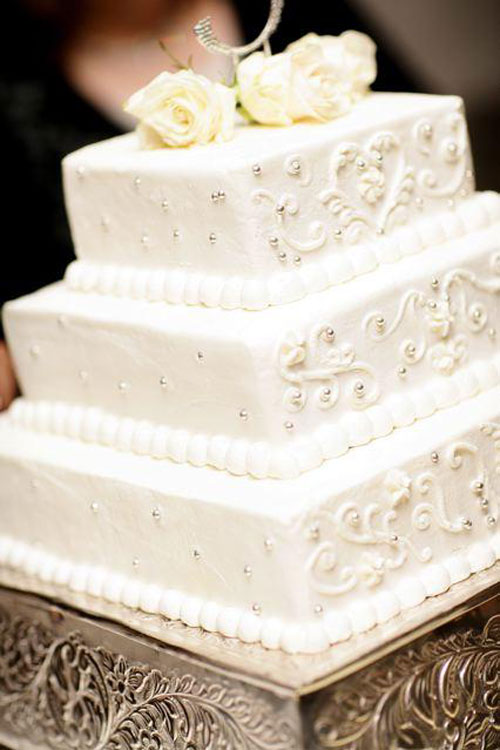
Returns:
<point x="66" y="65"/>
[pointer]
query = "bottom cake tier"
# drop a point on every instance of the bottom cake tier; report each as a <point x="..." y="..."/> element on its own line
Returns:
<point x="293" y="564"/>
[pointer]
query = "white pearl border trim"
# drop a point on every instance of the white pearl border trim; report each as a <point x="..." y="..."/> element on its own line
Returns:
<point x="178" y="286"/>
<point x="259" y="459"/>
<point x="68" y="578"/>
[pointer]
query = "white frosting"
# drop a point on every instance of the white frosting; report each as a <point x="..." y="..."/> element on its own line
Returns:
<point x="183" y="285"/>
<point x="229" y="224"/>
<point x="378" y="205"/>
<point x="271" y="392"/>
<point x="166" y="539"/>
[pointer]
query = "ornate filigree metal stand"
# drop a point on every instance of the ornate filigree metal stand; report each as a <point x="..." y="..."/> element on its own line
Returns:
<point x="428" y="681"/>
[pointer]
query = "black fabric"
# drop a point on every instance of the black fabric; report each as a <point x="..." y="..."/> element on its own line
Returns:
<point x="42" y="119"/>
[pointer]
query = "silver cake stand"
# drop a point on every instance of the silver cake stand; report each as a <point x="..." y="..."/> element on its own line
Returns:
<point x="427" y="680"/>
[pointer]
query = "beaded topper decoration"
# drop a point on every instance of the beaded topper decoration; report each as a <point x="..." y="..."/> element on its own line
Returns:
<point x="208" y="39"/>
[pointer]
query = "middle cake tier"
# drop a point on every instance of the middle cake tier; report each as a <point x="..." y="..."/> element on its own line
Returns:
<point x="272" y="392"/>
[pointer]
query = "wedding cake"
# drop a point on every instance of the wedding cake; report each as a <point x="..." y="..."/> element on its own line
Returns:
<point x="265" y="400"/>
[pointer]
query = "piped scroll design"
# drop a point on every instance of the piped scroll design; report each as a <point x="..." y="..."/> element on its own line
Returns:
<point x="374" y="197"/>
<point x="376" y="186"/>
<point x="63" y="693"/>
<point x="439" y="315"/>
<point x="318" y="361"/>
<point x="450" y="150"/>
<point x="441" y="693"/>
<point x="283" y="209"/>
<point x="388" y="531"/>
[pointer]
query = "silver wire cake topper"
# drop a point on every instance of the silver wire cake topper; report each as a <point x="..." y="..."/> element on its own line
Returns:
<point x="207" y="37"/>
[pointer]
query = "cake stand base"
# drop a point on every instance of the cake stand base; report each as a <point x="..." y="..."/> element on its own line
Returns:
<point x="74" y="681"/>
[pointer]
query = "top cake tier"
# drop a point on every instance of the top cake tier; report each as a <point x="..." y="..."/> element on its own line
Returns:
<point x="273" y="214"/>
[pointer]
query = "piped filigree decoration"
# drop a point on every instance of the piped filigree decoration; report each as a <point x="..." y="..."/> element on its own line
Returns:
<point x="319" y="364"/>
<point x="439" y="316"/>
<point x="450" y="150"/>
<point x="64" y="694"/>
<point x="285" y="209"/>
<point x="442" y="693"/>
<point x="381" y="536"/>
<point x="375" y="186"/>
<point x="364" y="193"/>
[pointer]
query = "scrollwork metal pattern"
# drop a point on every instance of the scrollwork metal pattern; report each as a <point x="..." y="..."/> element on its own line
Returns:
<point x="67" y="695"/>
<point x="441" y="694"/>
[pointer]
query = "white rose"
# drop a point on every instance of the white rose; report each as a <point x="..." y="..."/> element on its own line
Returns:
<point x="264" y="84"/>
<point x="316" y="78"/>
<point x="350" y="56"/>
<point x="318" y="92"/>
<point x="182" y="109"/>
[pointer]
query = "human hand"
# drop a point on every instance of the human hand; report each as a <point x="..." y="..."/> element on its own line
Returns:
<point x="8" y="385"/>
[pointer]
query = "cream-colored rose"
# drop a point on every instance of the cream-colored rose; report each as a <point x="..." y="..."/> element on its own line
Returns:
<point x="264" y="85"/>
<point x="182" y="109"/>
<point x="316" y="78"/>
<point x="350" y="57"/>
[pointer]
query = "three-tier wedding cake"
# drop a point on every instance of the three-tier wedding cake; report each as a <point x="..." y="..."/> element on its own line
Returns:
<point x="265" y="400"/>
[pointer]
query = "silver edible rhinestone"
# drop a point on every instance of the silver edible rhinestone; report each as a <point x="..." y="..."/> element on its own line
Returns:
<point x="247" y="570"/>
<point x="200" y="356"/>
<point x="243" y="414"/>
<point x="288" y="425"/>
<point x="196" y="554"/>
<point x="257" y="169"/>
<point x="478" y="487"/>
<point x="135" y="562"/>
<point x="313" y="532"/>
<point x="156" y="513"/>
<point x="94" y="507"/>
<point x="466" y="523"/>
<point x="282" y="256"/>
<point x="380" y="323"/>
<point x="274" y="241"/>
<point x="402" y="372"/>
<point x="435" y="457"/>
<point x="123" y="386"/>
<point x="137" y="182"/>
<point x="329" y="334"/>
<point x="164" y="205"/>
<point x="163" y="382"/>
<point x="492" y="333"/>
<point x="35" y="351"/>
<point x="435" y="283"/>
<point x="359" y="389"/>
<point x="268" y="544"/>
<point x="326" y="394"/>
<point x="338" y="234"/>
<point x="318" y="610"/>
<point x="297" y="260"/>
<point x="176" y="234"/>
<point x="491" y="520"/>
<point x="212" y="238"/>
<point x="256" y="609"/>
